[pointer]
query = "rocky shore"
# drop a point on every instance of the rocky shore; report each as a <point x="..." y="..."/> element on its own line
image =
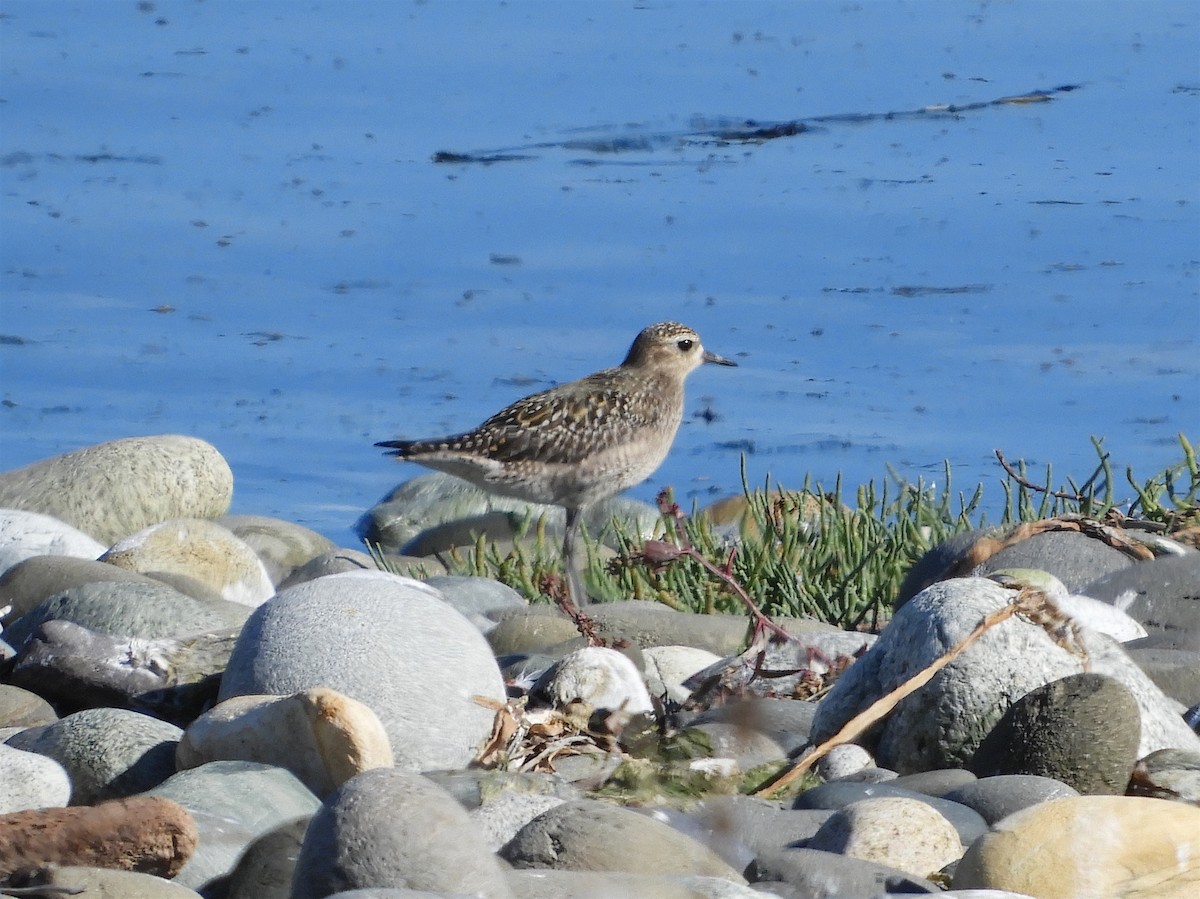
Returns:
<point x="194" y="703"/>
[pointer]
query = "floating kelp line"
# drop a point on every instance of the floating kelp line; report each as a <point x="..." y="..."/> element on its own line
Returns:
<point x="726" y="131"/>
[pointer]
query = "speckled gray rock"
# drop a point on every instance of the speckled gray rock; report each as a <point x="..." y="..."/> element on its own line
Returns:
<point x="967" y="894"/>
<point x="394" y="893"/>
<point x="1175" y="671"/>
<point x="840" y="793"/>
<point x="38" y="578"/>
<point x="530" y="630"/>
<point x="474" y="787"/>
<point x="1163" y="594"/>
<point x="387" y="828"/>
<point x="891" y="830"/>
<point x="30" y="780"/>
<point x="117" y="609"/>
<point x="644" y="624"/>
<point x="786" y="721"/>
<point x="814" y="646"/>
<point x="500" y="529"/>
<point x="329" y="563"/>
<point x="1082" y="729"/>
<point x="107" y="883"/>
<point x="1073" y="558"/>
<point x="667" y="667"/>
<point x="998" y="797"/>
<point x="477" y="598"/>
<point x="266" y="868"/>
<point x="336" y="561"/>
<point x="843" y="761"/>
<point x="114" y="489"/>
<point x="108" y="753"/>
<point x="941" y="724"/>
<point x="935" y="783"/>
<point x="590" y="835"/>
<point x="27" y="534"/>
<point x="501" y="817"/>
<point x="1168" y="774"/>
<point x="198" y="549"/>
<point x="739" y="827"/>
<point x="20" y="708"/>
<point x="281" y="545"/>
<point x="827" y="875"/>
<point x="387" y="641"/>
<point x="869" y="775"/>
<point x="748" y="748"/>
<point x="562" y="884"/>
<point x="233" y="804"/>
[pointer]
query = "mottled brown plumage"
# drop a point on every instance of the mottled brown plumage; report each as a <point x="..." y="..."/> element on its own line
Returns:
<point x="580" y="442"/>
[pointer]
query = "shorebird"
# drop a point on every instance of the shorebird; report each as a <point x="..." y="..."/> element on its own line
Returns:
<point x="581" y="442"/>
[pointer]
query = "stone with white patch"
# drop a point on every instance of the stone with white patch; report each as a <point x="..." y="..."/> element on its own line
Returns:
<point x="198" y="549"/>
<point x="603" y="678"/>
<point x="24" y="535"/>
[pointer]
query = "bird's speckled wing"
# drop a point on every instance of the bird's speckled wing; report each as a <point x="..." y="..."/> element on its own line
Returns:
<point x="584" y="417"/>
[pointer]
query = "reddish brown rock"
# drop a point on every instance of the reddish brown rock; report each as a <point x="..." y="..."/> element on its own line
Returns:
<point x="149" y="834"/>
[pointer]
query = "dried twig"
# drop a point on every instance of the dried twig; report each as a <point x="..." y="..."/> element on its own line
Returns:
<point x="987" y="545"/>
<point x="1025" y="602"/>
<point x="659" y="553"/>
<point x="1078" y="497"/>
<point x="556" y="588"/>
<point x="524" y="739"/>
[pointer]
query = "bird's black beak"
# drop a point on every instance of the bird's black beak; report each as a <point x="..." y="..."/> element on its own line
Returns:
<point x="717" y="360"/>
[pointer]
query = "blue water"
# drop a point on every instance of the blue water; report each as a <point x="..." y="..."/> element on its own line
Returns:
<point x="224" y="219"/>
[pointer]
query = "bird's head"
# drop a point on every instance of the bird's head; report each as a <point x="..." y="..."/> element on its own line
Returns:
<point x="670" y="346"/>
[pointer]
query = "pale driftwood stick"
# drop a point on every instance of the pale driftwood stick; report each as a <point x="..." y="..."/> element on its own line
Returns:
<point x="880" y="707"/>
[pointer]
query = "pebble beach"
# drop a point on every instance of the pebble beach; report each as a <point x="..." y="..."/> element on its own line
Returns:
<point x="231" y="706"/>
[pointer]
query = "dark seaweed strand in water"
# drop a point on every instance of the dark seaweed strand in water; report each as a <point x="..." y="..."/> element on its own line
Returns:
<point x="724" y="130"/>
<point x="755" y="131"/>
<point x="482" y="158"/>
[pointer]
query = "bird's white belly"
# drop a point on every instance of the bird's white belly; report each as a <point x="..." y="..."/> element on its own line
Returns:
<point x="598" y="477"/>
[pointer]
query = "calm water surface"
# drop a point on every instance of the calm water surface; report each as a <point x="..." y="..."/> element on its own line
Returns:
<point x="225" y="219"/>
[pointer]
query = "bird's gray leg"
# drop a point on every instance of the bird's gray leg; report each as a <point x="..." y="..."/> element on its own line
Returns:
<point x="570" y="543"/>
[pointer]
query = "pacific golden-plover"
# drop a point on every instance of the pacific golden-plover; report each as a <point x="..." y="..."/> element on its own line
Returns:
<point x="578" y="443"/>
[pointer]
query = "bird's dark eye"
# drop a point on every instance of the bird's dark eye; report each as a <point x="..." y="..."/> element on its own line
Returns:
<point x="685" y="344"/>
